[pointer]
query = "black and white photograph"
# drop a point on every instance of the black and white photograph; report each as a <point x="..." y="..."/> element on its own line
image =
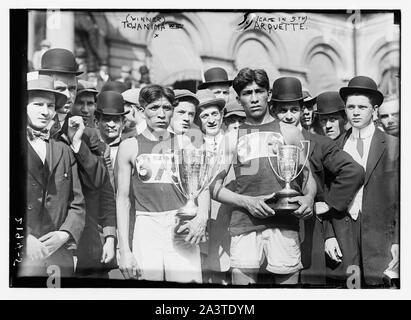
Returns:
<point x="205" y="148"/>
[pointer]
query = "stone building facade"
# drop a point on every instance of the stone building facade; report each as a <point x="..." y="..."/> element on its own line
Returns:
<point x="324" y="50"/>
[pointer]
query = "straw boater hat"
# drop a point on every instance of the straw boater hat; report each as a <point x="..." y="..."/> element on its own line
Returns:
<point x="362" y="84"/>
<point x="213" y="76"/>
<point x="45" y="83"/>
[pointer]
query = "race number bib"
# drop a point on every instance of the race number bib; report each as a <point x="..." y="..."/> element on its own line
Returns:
<point x="154" y="168"/>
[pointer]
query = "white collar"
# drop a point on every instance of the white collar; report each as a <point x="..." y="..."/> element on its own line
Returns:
<point x="364" y="133"/>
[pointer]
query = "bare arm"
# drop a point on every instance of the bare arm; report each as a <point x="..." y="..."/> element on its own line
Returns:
<point x="127" y="152"/>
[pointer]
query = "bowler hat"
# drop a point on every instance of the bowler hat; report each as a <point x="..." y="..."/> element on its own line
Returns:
<point x="179" y="94"/>
<point x="59" y="60"/>
<point x="329" y="102"/>
<point x="287" y="89"/>
<point x="84" y="86"/>
<point x="207" y="99"/>
<point x="110" y="103"/>
<point x="362" y="84"/>
<point x="41" y="82"/>
<point x="233" y="108"/>
<point x="132" y="95"/>
<point x="117" y="86"/>
<point x="213" y="76"/>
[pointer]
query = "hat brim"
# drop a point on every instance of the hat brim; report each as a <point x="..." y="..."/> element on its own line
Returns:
<point x="220" y="103"/>
<point x="188" y="96"/>
<point x="111" y="114"/>
<point x="235" y="113"/>
<point x="205" y="85"/>
<point x="87" y="90"/>
<point x="329" y="112"/>
<point x="61" y="71"/>
<point x="61" y="99"/>
<point x="345" y="91"/>
<point x="287" y="100"/>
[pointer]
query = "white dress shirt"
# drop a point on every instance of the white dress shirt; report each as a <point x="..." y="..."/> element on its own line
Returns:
<point x="351" y="148"/>
<point x="40" y="147"/>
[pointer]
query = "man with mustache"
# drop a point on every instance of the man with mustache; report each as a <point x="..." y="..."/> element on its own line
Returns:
<point x="257" y="232"/>
<point x="366" y="236"/>
<point x="216" y="80"/>
<point x="337" y="175"/>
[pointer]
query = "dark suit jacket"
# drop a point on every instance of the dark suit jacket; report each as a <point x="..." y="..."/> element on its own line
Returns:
<point x="100" y="201"/>
<point x="338" y="178"/>
<point x="54" y="202"/>
<point x="379" y="218"/>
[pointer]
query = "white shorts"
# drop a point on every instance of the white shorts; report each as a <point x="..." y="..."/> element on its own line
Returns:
<point x="281" y="247"/>
<point x="159" y="258"/>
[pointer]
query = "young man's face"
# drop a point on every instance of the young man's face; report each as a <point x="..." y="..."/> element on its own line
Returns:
<point x="211" y="119"/>
<point x="332" y="124"/>
<point x="233" y="122"/>
<point x="183" y="117"/>
<point x="84" y="106"/>
<point x="359" y="111"/>
<point x="307" y="115"/>
<point x="66" y="83"/>
<point x="221" y="91"/>
<point x="389" y="114"/>
<point x="40" y="109"/>
<point x="288" y="112"/>
<point x="110" y="126"/>
<point x="254" y="100"/>
<point x="158" y="114"/>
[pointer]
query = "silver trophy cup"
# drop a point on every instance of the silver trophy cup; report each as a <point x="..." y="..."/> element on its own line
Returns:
<point x="286" y="164"/>
<point x="193" y="171"/>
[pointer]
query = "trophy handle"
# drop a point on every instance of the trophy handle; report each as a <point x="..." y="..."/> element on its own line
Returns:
<point x="177" y="174"/>
<point x="210" y="178"/>
<point x="307" y="148"/>
<point x="271" y="164"/>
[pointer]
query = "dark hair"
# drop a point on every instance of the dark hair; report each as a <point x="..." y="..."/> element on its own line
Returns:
<point x="370" y="97"/>
<point x="247" y="76"/>
<point x="154" y="92"/>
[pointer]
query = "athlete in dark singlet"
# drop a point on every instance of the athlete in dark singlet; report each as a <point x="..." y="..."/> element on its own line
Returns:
<point x="256" y="232"/>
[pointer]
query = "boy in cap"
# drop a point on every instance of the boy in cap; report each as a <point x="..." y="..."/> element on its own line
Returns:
<point x="257" y="233"/>
<point x="337" y="175"/>
<point x="55" y="203"/>
<point x="364" y="239"/>
<point x="145" y="163"/>
<point x="331" y="114"/>
<point x="234" y="115"/>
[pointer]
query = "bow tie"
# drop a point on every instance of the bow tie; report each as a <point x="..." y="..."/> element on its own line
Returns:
<point x="36" y="134"/>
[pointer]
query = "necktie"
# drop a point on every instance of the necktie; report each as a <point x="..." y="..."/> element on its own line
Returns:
<point x="360" y="146"/>
<point x="36" y="134"/>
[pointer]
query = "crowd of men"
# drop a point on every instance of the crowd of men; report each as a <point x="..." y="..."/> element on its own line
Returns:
<point x="102" y="199"/>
